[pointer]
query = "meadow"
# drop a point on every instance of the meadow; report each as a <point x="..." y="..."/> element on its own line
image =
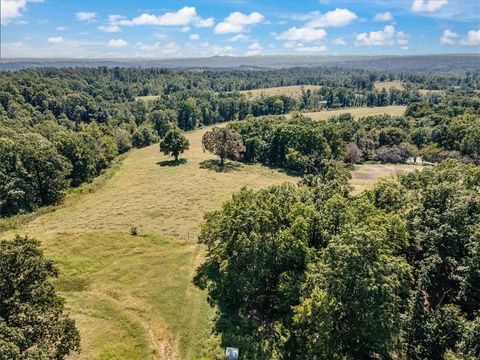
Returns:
<point x="294" y="91"/>
<point x="393" y="110"/>
<point x="132" y="296"/>
<point x="379" y="85"/>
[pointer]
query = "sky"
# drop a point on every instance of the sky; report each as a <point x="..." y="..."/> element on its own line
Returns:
<point x="162" y="29"/>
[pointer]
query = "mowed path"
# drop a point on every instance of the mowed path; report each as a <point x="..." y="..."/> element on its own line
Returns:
<point x="132" y="296"/>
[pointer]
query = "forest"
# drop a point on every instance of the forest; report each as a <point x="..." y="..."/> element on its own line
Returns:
<point x="307" y="269"/>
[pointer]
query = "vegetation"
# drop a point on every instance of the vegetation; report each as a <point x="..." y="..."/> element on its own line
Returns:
<point x="33" y="324"/>
<point x="223" y="142"/>
<point x="174" y="143"/>
<point x="310" y="272"/>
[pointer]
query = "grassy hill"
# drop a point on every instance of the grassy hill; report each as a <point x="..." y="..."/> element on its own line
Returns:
<point x="132" y="296"/>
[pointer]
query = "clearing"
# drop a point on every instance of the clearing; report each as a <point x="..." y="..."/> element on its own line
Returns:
<point x="132" y="296"/>
<point x="393" y="110"/>
<point x="379" y="85"/>
<point x="291" y="91"/>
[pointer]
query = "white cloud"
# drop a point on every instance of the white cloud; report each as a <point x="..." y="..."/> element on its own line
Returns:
<point x="183" y="17"/>
<point x="85" y="16"/>
<point x="61" y="28"/>
<point x="194" y="37"/>
<point x="185" y="29"/>
<point x="428" y="5"/>
<point x="10" y="9"/>
<point x="339" y="41"/>
<point x="239" y="37"/>
<point x="473" y="38"/>
<point x="221" y="50"/>
<point x="448" y="37"/>
<point x="386" y="37"/>
<point x="55" y="40"/>
<point x="203" y="23"/>
<point x="110" y="28"/>
<point x="117" y="43"/>
<point x="158" y="49"/>
<point x="310" y="49"/>
<point x="237" y="22"/>
<point x="302" y="34"/>
<point x="254" y="49"/>
<point x="336" y="18"/>
<point x="385" y="16"/>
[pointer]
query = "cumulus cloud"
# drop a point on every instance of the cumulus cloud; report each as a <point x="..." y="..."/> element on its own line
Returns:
<point x="428" y="5"/>
<point x="473" y="38"/>
<point x="303" y="34"/>
<point x="159" y="49"/>
<point x="385" y="16"/>
<point x="386" y="37"/>
<point x="85" y="16"/>
<point x="299" y="47"/>
<point x="237" y="22"/>
<point x="55" y="40"/>
<point x="117" y="43"/>
<point x="448" y="37"/>
<point x="335" y="18"/>
<point x="110" y="28"/>
<point x="183" y="17"/>
<point x="11" y="9"/>
<point x="254" y="49"/>
<point x="339" y="41"/>
<point x="239" y="37"/>
<point x="221" y="50"/>
<point x="194" y="37"/>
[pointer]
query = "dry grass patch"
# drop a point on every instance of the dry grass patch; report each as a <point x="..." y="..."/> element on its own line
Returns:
<point x="366" y="175"/>
<point x="393" y="110"/>
<point x="379" y="85"/>
<point x="291" y="91"/>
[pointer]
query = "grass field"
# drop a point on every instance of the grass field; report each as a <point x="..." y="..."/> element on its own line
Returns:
<point x="365" y="175"/>
<point x="394" y="110"/>
<point x="147" y="98"/>
<point x="292" y="91"/>
<point x="132" y="296"/>
<point x="379" y="85"/>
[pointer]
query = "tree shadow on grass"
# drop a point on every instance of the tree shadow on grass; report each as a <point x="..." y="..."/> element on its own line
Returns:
<point x="172" y="162"/>
<point x="214" y="165"/>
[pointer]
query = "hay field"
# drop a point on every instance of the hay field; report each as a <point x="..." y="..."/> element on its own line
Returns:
<point x="394" y="110"/>
<point x="292" y="91"/>
<point x="132" y="296"/>
<point x="379" y="85"/>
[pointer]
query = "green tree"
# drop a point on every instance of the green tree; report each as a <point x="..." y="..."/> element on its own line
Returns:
<point x="174" y="143"/>
<point x="223" y="142"/>
<point x="33" y="324"/>
<point x="162" y="120"/>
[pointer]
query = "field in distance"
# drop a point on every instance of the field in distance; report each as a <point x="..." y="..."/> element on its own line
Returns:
<point x="393" y="110"/>
<point x="291" y="91"/>
<point x="379" y="85"/>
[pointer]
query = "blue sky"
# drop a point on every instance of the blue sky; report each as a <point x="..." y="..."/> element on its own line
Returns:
<point x="169" y="29"/>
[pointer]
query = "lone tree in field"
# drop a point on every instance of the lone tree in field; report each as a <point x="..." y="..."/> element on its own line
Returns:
<point x="32" y="322"/>
<point x="223" y="142"/>
<point x="174" y="143"/>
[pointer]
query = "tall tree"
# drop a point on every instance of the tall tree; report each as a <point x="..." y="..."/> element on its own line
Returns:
<point x="33" y="324"/>
<point x="174" y="143"/>
<point x="223" y="142"/>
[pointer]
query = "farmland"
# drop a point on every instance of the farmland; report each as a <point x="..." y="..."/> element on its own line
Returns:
<point x="394" y="110"/>
<point x="292" y="91"/>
